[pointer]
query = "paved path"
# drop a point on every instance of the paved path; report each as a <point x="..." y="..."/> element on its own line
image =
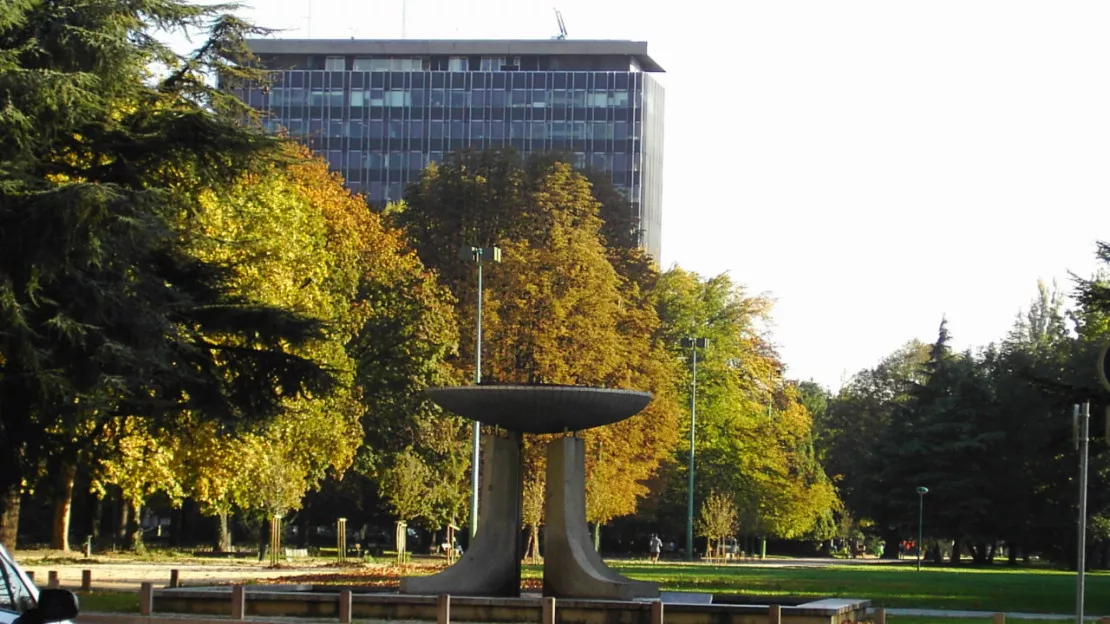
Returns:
<point x="129" y="575"/>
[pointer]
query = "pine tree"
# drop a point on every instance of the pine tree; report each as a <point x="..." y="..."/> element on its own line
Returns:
<point x="102" y="312"/>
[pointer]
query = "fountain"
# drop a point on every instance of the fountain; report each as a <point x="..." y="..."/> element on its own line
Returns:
<point x="572" y="568"/>
<point x="484" y="585"/>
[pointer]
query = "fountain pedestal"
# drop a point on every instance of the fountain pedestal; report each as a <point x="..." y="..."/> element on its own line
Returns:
<point x="571" y="566"/>
<point x="491" y="565"/>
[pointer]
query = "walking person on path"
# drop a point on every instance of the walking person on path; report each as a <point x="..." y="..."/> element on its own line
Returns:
<point x="654" y="546"/>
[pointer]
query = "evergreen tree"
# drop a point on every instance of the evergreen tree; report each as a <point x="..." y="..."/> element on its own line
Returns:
<point x="102" y="312"/>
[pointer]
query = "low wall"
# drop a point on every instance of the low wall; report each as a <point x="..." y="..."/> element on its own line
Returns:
<point x="266" y="602"/>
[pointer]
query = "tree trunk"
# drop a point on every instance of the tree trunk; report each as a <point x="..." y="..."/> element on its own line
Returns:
<point x="597" y="536"/>
<point x="9" y="515"/>
<point x="534" y="540"/>
<point x="135" y="529"/>
<point x="892" y="539"/>
<point x="124" y="519"/>
<point x="954" y="558"/>
<point x="63" y="505"/>
<point x="1011" y="554"/>
<point x="224" y="544"/>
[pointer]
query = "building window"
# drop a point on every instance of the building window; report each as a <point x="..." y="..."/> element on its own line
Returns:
<point x="457" y="64"/>
<point x="492" y="63"/>
<point x="357" y="98"/>
<point x="335" y="63"/>
<point x="371" y="64"/>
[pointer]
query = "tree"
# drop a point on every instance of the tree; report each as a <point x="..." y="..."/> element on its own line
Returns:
<point x="754" y="437"/>
<point x="556" y="310"/>
<point x="848" y="433"/>
<point x="717" y="520"/>
<point x="103" y="314"/>
<point x="532" y="512"/>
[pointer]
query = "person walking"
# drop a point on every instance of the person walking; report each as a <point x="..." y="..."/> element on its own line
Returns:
<point x="654" y="547"/>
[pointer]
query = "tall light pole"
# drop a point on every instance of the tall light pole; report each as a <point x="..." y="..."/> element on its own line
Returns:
<point x="693" y="344"/>
<point x="1082" y="422"/>
<point x="921" y="492"/>
<point x="477" y="255"/>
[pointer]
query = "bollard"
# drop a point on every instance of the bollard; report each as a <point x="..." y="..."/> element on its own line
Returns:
<point x="548" y="611"/>
<point x="345" y="606"/>
<point x="238" y="602"/>
<point x="146" y="599"/>
<point x="86" y="580"/>
<point x="657" y="612"/>
<point x="880" y="615"/>
<point x="52" y="579"/>
<point x="175" y="579"/>
<point x="443" y="609"/>
<point x="998" y="618"/>
<point x="775" y="614"/>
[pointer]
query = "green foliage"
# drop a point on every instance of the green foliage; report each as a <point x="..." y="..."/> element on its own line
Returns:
<point x="102" y="312"/>
<point x="557" y="310"/>
<point x="406" y="484"/>
<point x="717" y="519"/>
<point x="754" y="437"/>
<point x="987" y="431"/>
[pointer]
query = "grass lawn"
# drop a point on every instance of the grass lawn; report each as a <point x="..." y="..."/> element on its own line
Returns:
<point x="108" y="601"/>
<point x="990" y="589"/>
<point x="889" y="585"/>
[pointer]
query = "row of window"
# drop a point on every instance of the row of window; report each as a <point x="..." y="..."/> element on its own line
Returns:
<point x="381" y="192"/>
<point x="454" y="63"/>
<point x="598" y="80"/>
<point x="417" y="129"/>
<point x="535" y="98"/>
<point x="414" y="160"/>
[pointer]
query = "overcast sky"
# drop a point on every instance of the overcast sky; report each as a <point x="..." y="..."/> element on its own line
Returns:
<point x="872" y="165"/>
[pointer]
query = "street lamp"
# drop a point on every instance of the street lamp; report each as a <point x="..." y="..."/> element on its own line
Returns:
<point x="477" y="255"/>
<point x="693" y="344"/>
<point x="921" y="492"/>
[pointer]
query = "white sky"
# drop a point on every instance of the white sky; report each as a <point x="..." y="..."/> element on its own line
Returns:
<point x="870" y="164"/>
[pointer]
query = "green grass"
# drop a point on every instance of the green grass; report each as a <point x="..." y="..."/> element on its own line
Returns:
<point x="108" y="601"/>
<point x="893" y="586"/>
<point x="920" y="620"/>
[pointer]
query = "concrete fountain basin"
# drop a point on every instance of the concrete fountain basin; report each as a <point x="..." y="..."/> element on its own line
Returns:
<point x="540" y="408"/>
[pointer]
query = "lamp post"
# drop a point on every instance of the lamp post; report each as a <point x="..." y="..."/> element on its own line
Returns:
<point x="477" y="255"/>
<point x="921" y="492"/>
<point x="693" y="344"/>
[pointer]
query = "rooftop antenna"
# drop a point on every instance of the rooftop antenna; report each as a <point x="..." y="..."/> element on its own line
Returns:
<point x="404" y="6"/>
<point x="562" y="26"/>
<point x="308" y="21"/>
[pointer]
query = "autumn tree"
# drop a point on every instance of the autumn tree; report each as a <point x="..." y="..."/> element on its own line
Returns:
<point x="556" y="309"/>
<point x="104" y="314"/>
<point x="716" y="521"/>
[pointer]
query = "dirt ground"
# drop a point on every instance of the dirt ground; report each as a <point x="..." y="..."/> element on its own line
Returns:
<point x="112" y="574"/>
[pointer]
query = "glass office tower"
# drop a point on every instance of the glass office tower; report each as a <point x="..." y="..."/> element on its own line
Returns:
<point x="380" y="111"/>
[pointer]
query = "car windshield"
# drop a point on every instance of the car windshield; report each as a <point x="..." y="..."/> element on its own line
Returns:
<point x="15" y="597"/>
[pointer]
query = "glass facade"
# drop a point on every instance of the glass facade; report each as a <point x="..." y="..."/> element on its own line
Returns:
<point x="381" y="127"/>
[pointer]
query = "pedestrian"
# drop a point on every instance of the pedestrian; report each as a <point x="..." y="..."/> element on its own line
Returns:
<point x="654" y="546"/>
